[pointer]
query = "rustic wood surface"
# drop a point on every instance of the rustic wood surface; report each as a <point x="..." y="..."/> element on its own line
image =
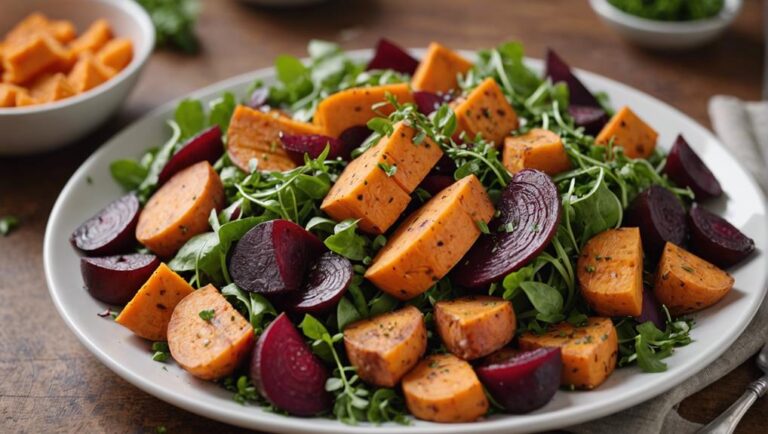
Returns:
<point x="51" y="383"/>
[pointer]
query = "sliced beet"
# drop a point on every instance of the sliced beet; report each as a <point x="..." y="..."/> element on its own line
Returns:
<point x="390" y="56"/>
<point x="558" y="70"/>
<point x="312" y="145"/>
<point x="716" y="240"/>
<point x="327" y="281"/>
<point x="445" y="166"/>
<point x="286" y="372"/>
<point x="593" y="119"/>
<point x="522" y="381"/>
<point x="529" y="212"/>
<point x="354" y="136"/>
<point x="206" y="146"/>
<point x="111" y="231"/>
<point x="434" y="183"/>
<point x="273" y="257"/>
<point x="116" y="279"/>
<point x="427" y="102"/>
<point x="651" y="310"/>
<point x="660" y="217"/>
<point x="686" y="169"/>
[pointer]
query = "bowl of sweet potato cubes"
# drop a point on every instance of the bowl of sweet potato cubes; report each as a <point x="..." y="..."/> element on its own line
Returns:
<point x="65" y="67"/>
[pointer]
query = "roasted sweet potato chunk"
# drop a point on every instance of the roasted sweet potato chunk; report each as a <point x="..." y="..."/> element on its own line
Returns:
<point x="487" y="112"/>
<point x="439" y="69"/>
<point x="537" y="149"/>
<point x="475" y="326"/>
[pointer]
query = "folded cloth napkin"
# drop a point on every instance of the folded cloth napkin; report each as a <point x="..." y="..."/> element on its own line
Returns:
<point x="743" y="127"/>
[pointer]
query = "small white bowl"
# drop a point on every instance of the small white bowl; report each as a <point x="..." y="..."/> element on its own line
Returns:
<point x="666" y="35"/>
<point x="34" y="129"/>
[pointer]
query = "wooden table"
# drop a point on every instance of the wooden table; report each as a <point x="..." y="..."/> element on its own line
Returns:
<point x="49" y="382"/>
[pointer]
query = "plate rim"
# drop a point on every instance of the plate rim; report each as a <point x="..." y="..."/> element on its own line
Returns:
<point x="560" y="418"/>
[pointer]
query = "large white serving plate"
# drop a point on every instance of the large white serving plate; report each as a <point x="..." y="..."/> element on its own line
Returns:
<point x="129" y="356"/>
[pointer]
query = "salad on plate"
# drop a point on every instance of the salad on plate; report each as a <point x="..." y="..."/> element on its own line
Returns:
<point x="441" y="238"/>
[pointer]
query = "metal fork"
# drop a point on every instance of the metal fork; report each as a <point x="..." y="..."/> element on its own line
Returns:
<point x="726" y="423"/>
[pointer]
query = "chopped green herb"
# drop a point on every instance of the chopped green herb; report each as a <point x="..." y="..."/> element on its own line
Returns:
<point x="8" y="224"/>
<point x="483" y="226"/>
<point x="390" y="170"/>
<point x="207" y="314"/>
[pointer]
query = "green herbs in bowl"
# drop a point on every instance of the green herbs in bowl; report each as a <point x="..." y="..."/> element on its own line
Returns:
<point x="671" y="10"/>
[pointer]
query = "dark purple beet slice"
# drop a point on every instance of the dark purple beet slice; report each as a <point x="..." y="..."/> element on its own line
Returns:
<point x="686" y="169"/>
<point x="651" y="310"/>
<point x="660" y="217"/>
<point x="529" y="212"/>
<point x="116" y="279"/>
<point x="273" y="257"/>
<point x="206" y="146"/>
<point x="354" y="136"/>
<point x="111" y="231"/>
<point x="259" y="98"/>
<point x="390" y="56"/>
<point x="558" y="70"/>
<point x="522" y="381"/>
<point x="593" y="119"/>
<point x="434" y="184"/>
<point x="716" y="240"/>
<point x="312" y="145"/>
<point x="327" y="281"/>
<point x="286" y="372"/>
<point x="427" y="102"/>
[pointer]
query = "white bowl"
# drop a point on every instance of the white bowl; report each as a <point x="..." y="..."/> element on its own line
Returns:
<point x="33" y="129"/>
<point x="667" y="35"/>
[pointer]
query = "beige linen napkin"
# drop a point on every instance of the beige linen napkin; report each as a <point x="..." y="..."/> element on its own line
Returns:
<point x="743" y="127"/>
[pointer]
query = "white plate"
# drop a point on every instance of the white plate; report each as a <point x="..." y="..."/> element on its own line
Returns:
<point x="129" y="356"/>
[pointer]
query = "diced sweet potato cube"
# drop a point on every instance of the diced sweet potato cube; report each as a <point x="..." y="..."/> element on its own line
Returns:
<point x="116" y="54"/>
<point x="255" y="135"/>
<point x="8" y="94"/>
<point x="610" y="272"/>
<point x="353" y="107"/>
<point x="95" y="37"/>
<point x="150" y="310"/>
<point x="475" y="326"/>
<point x="537" y="149"/>
<point x="33" y="24"/>
<point x="629" y="132"/>
<point x="23" y="99"/>
<point x="87" y="74"/>
<point x="51" y="87"/>
<point x="439" y="69"/>
<point x="40" y="53"/>
<point x="589" y="352"/>
<point x="63" y="30"/>
<point x="366" y="192"/>
<point x="431" y="240"/>
<point x="485" y="111"/>
<point x="413" y="161"/>
<point x="386" y="347"/>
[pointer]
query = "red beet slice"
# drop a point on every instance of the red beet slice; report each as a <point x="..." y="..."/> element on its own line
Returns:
<point x="522" y="381"/>
<point x="685" y="168"/>
<point x="312" y="145"/>
<point x="445" y="166"/>
<point x="427" y="102"/>
<point x="716" y="240"/>
<point x="593" y="119"/>
<point x="273" y="257"/>
<point x="434" y="184"/>
<point x="660" y="217"/>
<point x="651" y="310"/>
<point x="390" y="56"/>
<point x="286" y="372"/>
<point x="327" y="281"/>
<point x="116" y="279"/>
<point x="529" y="210"/>
<point x="111" y="231"/>
<point x="206" y="146"/>
<point x="558" y="70"/>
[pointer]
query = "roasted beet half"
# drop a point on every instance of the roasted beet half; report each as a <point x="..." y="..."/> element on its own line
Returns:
<point x="286" y="372"/>
<point x="686" y="169"/>
<point x="651" y="311"/>
<point x="327" y="281"/>
<point x="558" y="70"/>
<point x="427" y="102"/>
<point x="111" y="231"/>
<point x="529" y="212"/>
<point x="660" y="217"/>
<point x="353" y="137"/>
<point x="434" y="183"/>
<point x="716" y="240"/>
<point x="206" y="146"/>
<point x="388" y="55"/>
<point x="312" y="145"/>
<point x="116" y="279"/>
<point x="593" y="119"/>
<point x="273" y="257"/>
<point x="522" y="381"/>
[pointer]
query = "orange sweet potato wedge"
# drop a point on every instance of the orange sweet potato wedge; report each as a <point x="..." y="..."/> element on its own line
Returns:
<point x="487" y="112"/>
<point x="439" y="69"/>
<point x="629" y="132"/>
<point x="93" y="39"/>
<point x="116" y="54"/>
<point x="537" y="149"/>
<point x="475" y="326"/>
